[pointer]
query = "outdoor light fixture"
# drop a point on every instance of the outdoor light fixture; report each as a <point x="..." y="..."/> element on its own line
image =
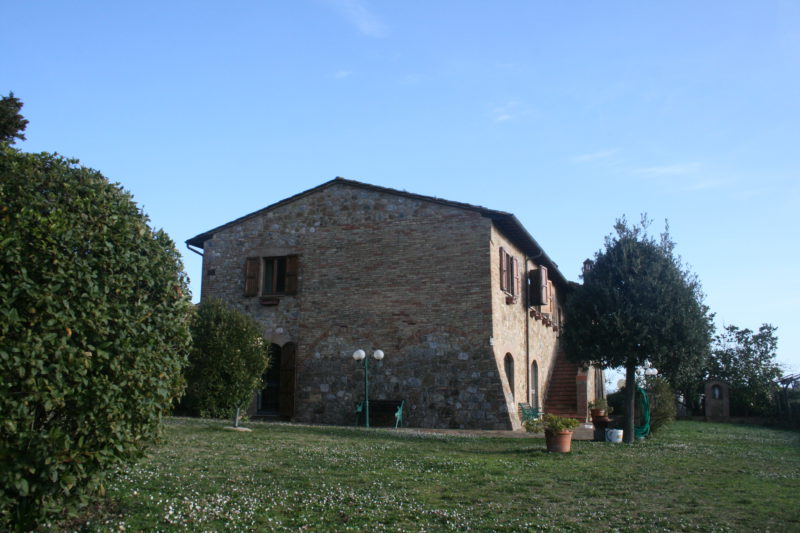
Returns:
<point x="361" y="356"/>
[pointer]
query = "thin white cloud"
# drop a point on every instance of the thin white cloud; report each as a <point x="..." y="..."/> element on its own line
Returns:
<point x="342" y="74"/>
<point x="594" y="156"/>
<point x="510" y="110"/>
<point x="705" y="184"/>
<point x="357" y="13"/>
<point x="669" y="170"/>
<point x="684" y="177"/>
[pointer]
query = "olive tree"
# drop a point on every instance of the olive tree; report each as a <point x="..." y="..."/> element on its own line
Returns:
<point x="93" y="336"/>
<point x="638" y="303"/>
<point x="228" y="358"/>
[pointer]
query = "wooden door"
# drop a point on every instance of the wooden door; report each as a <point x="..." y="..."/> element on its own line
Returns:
<point x="286" y="388"/>
<point x="270" y="394"/>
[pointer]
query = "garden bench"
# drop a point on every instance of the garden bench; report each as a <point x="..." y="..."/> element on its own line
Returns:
<point x="529" y="413"/>
<point x="382" y="413"/>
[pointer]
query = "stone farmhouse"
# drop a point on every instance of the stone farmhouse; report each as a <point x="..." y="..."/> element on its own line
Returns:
<point x="464" y="303"/>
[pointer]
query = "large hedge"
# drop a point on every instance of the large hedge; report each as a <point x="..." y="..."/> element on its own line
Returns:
<point x="228" y="358"/>
<point x="93" y="334"/>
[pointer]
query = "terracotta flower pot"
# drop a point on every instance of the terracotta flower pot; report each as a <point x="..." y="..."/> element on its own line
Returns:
<point x="598" y="413"/>
<point x="559" y="442"/>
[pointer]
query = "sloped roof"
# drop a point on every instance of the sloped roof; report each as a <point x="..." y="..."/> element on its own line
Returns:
<point x="507" y="223"/>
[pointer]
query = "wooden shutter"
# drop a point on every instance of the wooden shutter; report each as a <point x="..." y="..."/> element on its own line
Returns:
<point x="252" y="271"/>
<point x="515" y="274"/>
<point x="503" y="270"/>
<point x="544" y="292"/>
<point x="291" y="274"/>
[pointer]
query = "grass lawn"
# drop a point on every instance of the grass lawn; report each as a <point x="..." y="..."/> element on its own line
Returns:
<point x="690" y="477"/>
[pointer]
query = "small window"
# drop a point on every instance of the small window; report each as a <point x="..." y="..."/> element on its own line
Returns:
<point x="508" y="363"/>
<point x="274" y="275"/>
<point x="539" y="287"/>
<point x="270" y="276"/>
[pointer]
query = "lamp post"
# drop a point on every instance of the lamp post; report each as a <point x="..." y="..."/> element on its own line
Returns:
<point x="361" y="356"/>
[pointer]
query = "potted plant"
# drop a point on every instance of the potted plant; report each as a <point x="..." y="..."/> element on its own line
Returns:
<point x="557" y="431"/>
<point x="599" y="407"/>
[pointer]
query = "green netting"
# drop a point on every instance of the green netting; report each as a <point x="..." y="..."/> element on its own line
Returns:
<point x="644" y="410"/>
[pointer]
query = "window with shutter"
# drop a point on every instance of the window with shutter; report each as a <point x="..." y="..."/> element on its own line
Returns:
<point x="544" y="292"/>
<point x="503" y="269"/>
<point x="539" y="288"/>
<point x="548" y="307"/>
<point x="277" y="275"/>
<point x="530" y="292"/>
<point x="509" y="275"/>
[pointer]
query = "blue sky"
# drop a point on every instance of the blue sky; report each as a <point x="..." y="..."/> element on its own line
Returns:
<point x="567" y="114"/>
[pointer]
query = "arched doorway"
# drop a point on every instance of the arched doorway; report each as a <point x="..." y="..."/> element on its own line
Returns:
<point x="277" y="396"/>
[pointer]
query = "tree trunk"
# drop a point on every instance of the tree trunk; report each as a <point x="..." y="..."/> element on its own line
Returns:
<point x="630" y="402"/>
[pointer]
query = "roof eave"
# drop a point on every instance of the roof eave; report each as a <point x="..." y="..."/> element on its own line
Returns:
<point x="513" y="229"/>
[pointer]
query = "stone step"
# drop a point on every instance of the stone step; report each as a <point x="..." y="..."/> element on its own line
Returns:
<point x="564" y="392"/>
<point x="561" y="396"/>
<point x="556" y="398"/>
<point x="572" y="407"/>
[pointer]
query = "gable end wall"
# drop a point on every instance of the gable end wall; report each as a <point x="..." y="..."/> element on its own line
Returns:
<point x="376" y="270"/>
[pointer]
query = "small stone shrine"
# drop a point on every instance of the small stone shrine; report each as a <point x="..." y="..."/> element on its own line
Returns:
<point x="717" y="399"/>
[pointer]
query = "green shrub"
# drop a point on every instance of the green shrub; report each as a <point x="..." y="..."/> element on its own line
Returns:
<point x="93" y="334"/>
<point x="226" y="363"/>
<point x="551" y="424"/>
<point x="662" y="402"/>
<point x="616" y="401"/>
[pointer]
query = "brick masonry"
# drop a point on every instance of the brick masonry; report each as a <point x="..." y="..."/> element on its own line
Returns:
<point x="415" y="278"/>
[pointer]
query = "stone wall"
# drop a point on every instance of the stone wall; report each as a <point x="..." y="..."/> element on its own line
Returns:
<point x="376" y="270"/>
<point x="512" y="323"/>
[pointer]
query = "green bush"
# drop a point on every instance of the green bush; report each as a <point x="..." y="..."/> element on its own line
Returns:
<point x="226" y="363"/>
<point x="662" y="402"/>
<point x="616" y="401"/>
<point x="660" y="397"/>
<point x="551" y="424"/>
<point x="93" y="334"/>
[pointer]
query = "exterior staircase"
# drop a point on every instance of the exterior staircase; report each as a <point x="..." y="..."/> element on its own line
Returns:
<point x="562" y="395"/>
